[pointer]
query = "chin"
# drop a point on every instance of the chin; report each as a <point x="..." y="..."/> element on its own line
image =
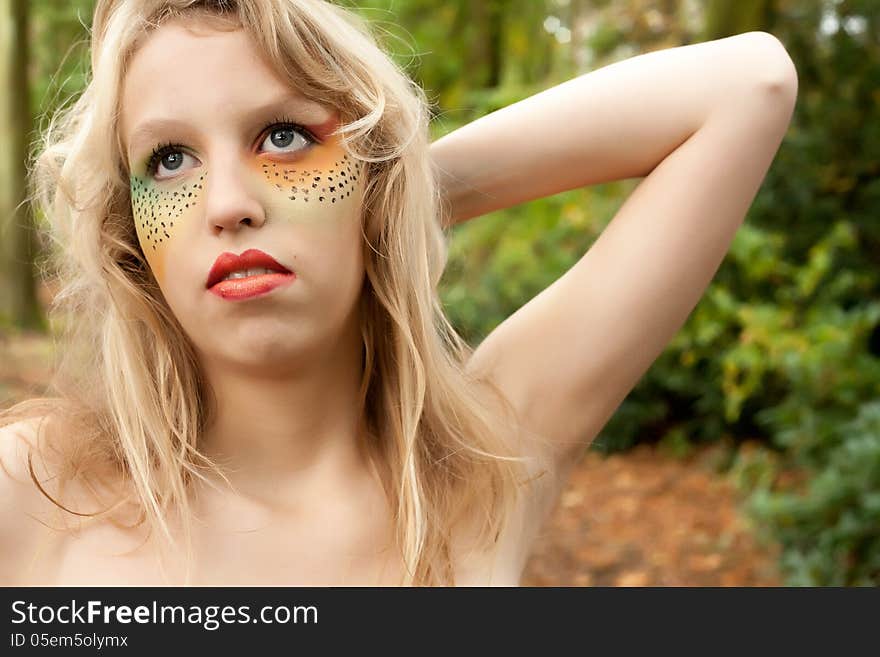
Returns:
<point x="256" y="343"/>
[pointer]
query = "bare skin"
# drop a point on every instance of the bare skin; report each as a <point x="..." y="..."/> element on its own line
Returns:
<point x="309" y="508"/>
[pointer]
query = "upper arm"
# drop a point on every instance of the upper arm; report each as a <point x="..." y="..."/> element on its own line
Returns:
<point x="569" y="357"/>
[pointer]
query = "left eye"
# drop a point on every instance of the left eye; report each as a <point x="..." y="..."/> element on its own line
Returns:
<point x="283" y="137"/>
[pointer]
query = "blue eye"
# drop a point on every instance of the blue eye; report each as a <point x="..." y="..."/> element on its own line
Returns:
<point x="174" y="158"/>
<point x="169" y="156"/>
<point x="282" y="135"/>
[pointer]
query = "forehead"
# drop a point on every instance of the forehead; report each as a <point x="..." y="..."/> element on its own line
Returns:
<point x="188" y="74"/>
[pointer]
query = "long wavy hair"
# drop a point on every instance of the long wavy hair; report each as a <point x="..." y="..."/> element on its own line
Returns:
<point x="128" y="400"/>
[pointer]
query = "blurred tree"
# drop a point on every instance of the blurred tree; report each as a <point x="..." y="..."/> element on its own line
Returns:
<point x="18" y="297"/>
<point x="725" y="18"/>
<point x="59" y="53"/>
<point x="488" y="49"/>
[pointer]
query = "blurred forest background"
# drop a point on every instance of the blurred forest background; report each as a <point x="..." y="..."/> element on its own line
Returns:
<point x="770" y="388"/>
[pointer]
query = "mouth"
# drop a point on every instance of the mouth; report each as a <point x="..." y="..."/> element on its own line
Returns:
<point x="252" y="273"/>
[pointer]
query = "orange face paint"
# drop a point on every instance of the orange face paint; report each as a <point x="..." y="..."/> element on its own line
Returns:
<point x="157" y="208"/>
<point x="320" y="182"/>
<point x="324" y="174"/>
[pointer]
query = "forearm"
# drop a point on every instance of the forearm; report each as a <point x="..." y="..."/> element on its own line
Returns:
<point x="617" y="122"/>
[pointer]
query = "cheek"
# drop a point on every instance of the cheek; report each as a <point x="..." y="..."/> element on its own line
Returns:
<point x="324" y="188"/>
<point x="320" y="195"/>
<point x="159" y="212"/>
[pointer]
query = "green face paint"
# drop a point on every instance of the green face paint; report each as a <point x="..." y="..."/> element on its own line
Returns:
<point x="159" y="210"/>
<point x="321" y="184"/>
<point x="156" y="208"/>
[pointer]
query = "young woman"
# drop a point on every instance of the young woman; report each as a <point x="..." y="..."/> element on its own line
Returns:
<point x="259" y="385"/>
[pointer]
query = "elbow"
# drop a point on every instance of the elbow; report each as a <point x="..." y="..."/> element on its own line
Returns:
<point x="776" y="72"/>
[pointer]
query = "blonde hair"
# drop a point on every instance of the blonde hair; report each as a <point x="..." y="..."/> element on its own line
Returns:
<point x="131" y="396"/>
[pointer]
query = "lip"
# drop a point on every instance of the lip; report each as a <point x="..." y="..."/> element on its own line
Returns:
<point x="243" y="288"/>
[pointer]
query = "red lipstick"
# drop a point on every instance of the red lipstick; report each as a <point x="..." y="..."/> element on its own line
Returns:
<point x="249" y="286"/>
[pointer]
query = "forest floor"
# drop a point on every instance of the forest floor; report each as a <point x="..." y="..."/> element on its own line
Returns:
<point x="646" y="518"/>
<point x="638" y="518"/>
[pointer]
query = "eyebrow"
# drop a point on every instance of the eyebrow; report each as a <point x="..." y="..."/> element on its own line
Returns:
<point x="151" y="129"/>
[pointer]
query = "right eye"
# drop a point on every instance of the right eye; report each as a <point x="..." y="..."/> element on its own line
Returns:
<point x="171" y="157"/>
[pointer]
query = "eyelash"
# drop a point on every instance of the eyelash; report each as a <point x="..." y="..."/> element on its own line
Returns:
<point x="172" y="147"/>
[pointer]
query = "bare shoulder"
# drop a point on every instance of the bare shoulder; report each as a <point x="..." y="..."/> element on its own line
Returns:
<point x="17" y="440"/>
<point x="23" y="507"/>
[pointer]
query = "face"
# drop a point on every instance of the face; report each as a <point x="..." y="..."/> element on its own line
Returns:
<point x="226" y="157"/>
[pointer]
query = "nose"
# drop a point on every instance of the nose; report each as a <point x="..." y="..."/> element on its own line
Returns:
<point x="229" y="204"/>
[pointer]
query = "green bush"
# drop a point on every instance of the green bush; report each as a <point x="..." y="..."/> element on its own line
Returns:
<point x="791" y="364"/>
<point x="830" y="533"/>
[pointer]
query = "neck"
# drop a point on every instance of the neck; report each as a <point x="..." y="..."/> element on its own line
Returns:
<point x="284" y="432"/>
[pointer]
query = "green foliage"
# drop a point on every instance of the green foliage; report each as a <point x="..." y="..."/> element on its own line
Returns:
<point x="505" y="258"/>
<point x="59" y="52"/>
<point x="782" y="346"/>
<point x="789" y="362"/>
<point x="830" y="532"/>
<point x="768" y="344"/>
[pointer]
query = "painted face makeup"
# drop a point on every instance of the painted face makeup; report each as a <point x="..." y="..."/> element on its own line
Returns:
<point x="317" y="183"/>
<point x="329" y="181"/>
<point x="159" y="210"/>
<point x="156" y="208"/>
<point x="321" y="183"/>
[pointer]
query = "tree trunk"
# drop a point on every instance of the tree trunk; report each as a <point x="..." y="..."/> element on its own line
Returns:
<point x="725" y="18"/>
<point x="486" y="50"/>
<point x="18" y="294"/>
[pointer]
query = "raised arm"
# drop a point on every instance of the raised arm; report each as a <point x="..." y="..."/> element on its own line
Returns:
<point x="617" y="122"/>
<point x="703" y="123"/>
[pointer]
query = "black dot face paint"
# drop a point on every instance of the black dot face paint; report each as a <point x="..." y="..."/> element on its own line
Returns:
<point x="320" y="185"/>
<point x="315" y="185"/>
<point x="159" y="209"/>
